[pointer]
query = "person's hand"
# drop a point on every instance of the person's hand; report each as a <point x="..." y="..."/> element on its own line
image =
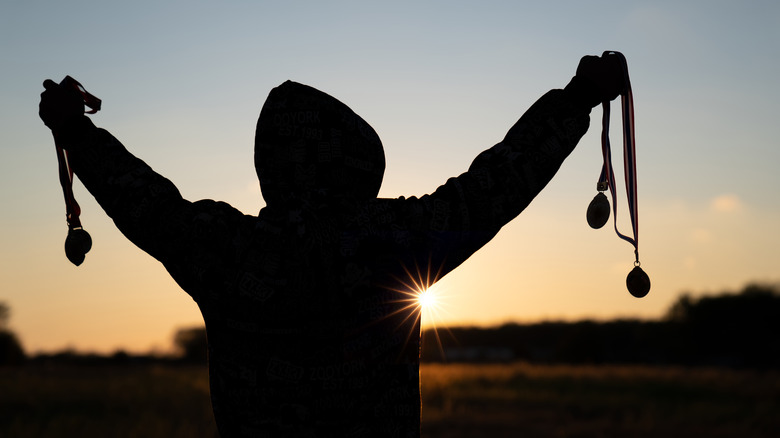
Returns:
<point x="59" y="105"/>
<point x="605" y="73"/>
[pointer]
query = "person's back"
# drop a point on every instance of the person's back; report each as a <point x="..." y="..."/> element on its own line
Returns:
<point x="308" y="332"/>
<point x="302" y="339"/>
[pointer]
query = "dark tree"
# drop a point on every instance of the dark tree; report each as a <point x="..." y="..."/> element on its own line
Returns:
<point x="191" y="344"/>
<point x="735" y="329"/>
<point x="11" y="352"/>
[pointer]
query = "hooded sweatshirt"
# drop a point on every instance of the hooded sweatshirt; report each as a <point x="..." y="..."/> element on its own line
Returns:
<point x="310" y="306"/>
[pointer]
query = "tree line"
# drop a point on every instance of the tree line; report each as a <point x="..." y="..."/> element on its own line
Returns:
<point x="729" y="329"/>
<point x="734" y="329"/>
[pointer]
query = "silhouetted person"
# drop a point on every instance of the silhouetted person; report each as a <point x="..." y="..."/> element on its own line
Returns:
<point x="305" y="304"/>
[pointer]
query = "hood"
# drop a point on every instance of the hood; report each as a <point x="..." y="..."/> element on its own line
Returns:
<point x="309" y="147"/>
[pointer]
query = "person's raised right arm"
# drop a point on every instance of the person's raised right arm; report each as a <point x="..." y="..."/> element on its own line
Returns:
<point x="468" y="210"/>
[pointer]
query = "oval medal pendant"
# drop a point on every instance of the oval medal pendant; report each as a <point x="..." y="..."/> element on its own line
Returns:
<point x="637" y="282"/>
<point x="598" y="211"/>
<point x="77" y="245"/>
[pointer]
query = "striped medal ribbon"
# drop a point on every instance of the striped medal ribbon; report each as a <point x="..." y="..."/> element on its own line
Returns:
<point x="637" y="282"/>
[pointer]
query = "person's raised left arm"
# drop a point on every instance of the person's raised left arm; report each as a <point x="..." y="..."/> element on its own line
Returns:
<point x="146" y="207"/>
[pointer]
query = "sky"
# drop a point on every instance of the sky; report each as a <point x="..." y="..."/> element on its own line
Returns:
<point x="182" y="84"/>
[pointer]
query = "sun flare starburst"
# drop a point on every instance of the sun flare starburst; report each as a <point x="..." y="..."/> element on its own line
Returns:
<point x="422" y="300"/>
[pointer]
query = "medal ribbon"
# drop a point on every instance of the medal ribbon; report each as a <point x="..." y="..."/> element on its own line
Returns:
<point x="72" y="208"/>
<point x="629" y="158"/>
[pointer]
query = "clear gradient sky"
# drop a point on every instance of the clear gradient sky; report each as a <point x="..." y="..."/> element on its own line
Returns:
<point x="182" y="84"/>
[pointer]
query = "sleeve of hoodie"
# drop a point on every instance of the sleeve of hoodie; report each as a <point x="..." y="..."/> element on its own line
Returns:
<point x="462" y="215"/>
<point x="146" y="207"/>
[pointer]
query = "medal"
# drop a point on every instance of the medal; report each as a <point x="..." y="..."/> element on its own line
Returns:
<point x="637" y="282"/>
<point x="78" y="243"/>
<point x="598" y="210"/>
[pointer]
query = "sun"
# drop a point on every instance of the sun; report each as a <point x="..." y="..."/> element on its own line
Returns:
<point x="427" y="302"/>
<point x="421" y="299"/>
<point x="426" y="299"/>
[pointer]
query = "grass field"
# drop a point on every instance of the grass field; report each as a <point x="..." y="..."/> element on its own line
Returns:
<point x="458" y="401"/>
<point x="598" y="401"/>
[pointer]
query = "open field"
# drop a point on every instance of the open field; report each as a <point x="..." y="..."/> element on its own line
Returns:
<point x="598" y="401"/>
<point x="459" y="401"/>
<point x="105" y="401"/>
